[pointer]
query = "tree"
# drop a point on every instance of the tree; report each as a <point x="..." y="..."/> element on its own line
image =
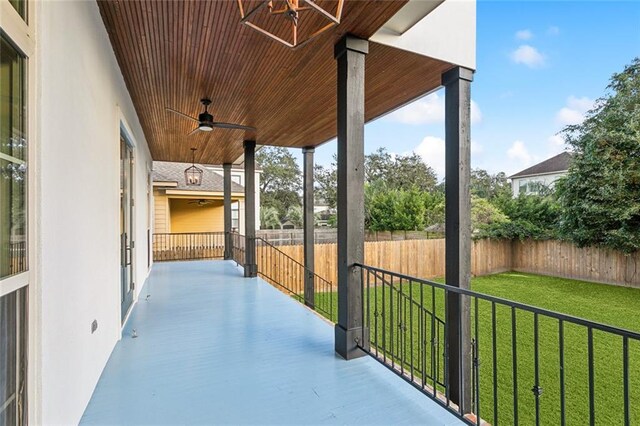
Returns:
<point x="326" y="179"/>
<point x="600" y="196"/>
<point x="410" y="171"/>
<point x="393" y="210"/>
<point x="485" y="185"/>
<point x="402" y="172"/>
<point x="269" y="218"/>
<point x="295" y="216"/>
<point x="280" y="183"/>
<point x="434" y="208"/>
<point x="484" y="213"/>
<point x="378" y="165"/>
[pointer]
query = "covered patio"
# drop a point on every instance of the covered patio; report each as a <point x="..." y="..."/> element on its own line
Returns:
<point x="213" y="347"/>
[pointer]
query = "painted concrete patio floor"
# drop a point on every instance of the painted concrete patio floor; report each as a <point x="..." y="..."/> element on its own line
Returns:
<point x="216" y="348"/>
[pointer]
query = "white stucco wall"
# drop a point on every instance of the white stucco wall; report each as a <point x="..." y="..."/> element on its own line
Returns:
<point x="447" y="33"/>
<point x="82" y="99"/>
<point x="546" y="180"/>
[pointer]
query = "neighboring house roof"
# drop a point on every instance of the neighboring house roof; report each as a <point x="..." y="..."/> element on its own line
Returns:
<point x="164" y="171"/>
<point x="559" y="163"/>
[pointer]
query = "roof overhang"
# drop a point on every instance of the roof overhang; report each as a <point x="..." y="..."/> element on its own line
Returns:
<point x="174" y="53"/>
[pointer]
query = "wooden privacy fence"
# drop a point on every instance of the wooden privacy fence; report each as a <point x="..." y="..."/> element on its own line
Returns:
<point x="280" y="237"/>
<point x="562" y="259"/>
<point x="417" y="258"/>
<point x="426" y="259"/>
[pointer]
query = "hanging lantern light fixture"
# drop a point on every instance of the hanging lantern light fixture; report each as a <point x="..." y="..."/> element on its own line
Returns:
<point x="291" y="22"/>
<point x="193" y="174"/>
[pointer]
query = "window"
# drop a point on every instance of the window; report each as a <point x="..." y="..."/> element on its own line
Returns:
<point x="531" y="187"/>
<point x="13" y="368"/>
<point x="20" y="6"/>
<point x="13" y="165"/>
<point x="235" y="216"/>
<point x="13" y="233"/>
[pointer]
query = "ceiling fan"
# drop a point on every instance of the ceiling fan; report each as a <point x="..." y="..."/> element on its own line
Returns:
<point x="205" y="120"/>
<point x="201" y="202"/>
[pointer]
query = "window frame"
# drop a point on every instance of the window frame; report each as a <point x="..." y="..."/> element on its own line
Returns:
<point x="21" y="36"/>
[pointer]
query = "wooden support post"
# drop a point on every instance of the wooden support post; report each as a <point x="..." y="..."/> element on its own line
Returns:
<point x="250" y="267"/>
<point x="457" y="82"/>
<point x="349" y="333"/>
<point x="227" y="210"/>
<point x="309" y="225"/>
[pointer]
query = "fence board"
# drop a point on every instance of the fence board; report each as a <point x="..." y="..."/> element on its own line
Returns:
<point x="563" y="259"/>
<point x="426" y="259"/>
<point x="418" y="258"/>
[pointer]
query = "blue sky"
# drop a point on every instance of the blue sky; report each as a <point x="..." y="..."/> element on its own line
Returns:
<point x="540" y="66"/>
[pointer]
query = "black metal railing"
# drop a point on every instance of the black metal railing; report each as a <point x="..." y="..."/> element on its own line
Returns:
<point x="188" y="246"/>
<point x="287" y="274"/>
<point x="528" y="365"/>
<point x="237" y="250"/>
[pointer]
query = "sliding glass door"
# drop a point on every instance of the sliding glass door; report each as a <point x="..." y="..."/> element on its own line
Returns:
<point x="127" y="242"/>
<point x="13" y="235"/>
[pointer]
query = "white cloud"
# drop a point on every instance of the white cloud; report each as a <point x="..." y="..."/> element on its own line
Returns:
<point x="518" y="152"/>
<point x="432" y="151"/>
<point x="574" y="110"/>
<point x="528" y="55"/>
<point x="476" y="114"/>
<point x="556" y="145"/>
<point x="553" y="30"/>
<point x="524" y="35"/>
<point x="429" y="110"/>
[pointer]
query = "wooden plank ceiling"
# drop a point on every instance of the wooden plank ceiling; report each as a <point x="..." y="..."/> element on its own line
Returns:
<point x="173" y="53"/>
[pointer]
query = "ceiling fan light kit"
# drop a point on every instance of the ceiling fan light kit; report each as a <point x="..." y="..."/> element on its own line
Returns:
<point x="293" y="15"/>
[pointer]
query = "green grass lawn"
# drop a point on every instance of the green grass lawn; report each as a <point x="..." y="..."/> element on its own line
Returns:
<point x="403" y="331"/>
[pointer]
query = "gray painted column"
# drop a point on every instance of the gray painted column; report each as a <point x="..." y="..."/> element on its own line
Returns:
<point x="227" y="210"/>
<point x="309" y="225"/>
<point x="350" y="55"/>
<point x="250" y="267"/>
<point x="457" y="84"/>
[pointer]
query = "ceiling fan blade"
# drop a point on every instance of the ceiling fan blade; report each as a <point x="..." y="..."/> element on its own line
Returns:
<point x="182" y="114"/>
<point x="193" y="131"/>
<point x="233" y="126"/>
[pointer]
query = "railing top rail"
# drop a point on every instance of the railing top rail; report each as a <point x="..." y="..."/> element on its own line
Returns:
<point x="267" y="243"/>
<point x="189" y="233"/>
<point x="533" y="309"/>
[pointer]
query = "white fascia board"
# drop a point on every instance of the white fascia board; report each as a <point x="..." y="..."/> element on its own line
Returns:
<point x="161" y="183"/>
<point x="196" y="194"/>
<point x="444" y="30"/>
<point x="557" y="172"/>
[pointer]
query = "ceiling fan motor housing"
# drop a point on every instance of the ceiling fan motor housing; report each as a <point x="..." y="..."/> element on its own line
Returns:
<point x="206" y="121"/>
